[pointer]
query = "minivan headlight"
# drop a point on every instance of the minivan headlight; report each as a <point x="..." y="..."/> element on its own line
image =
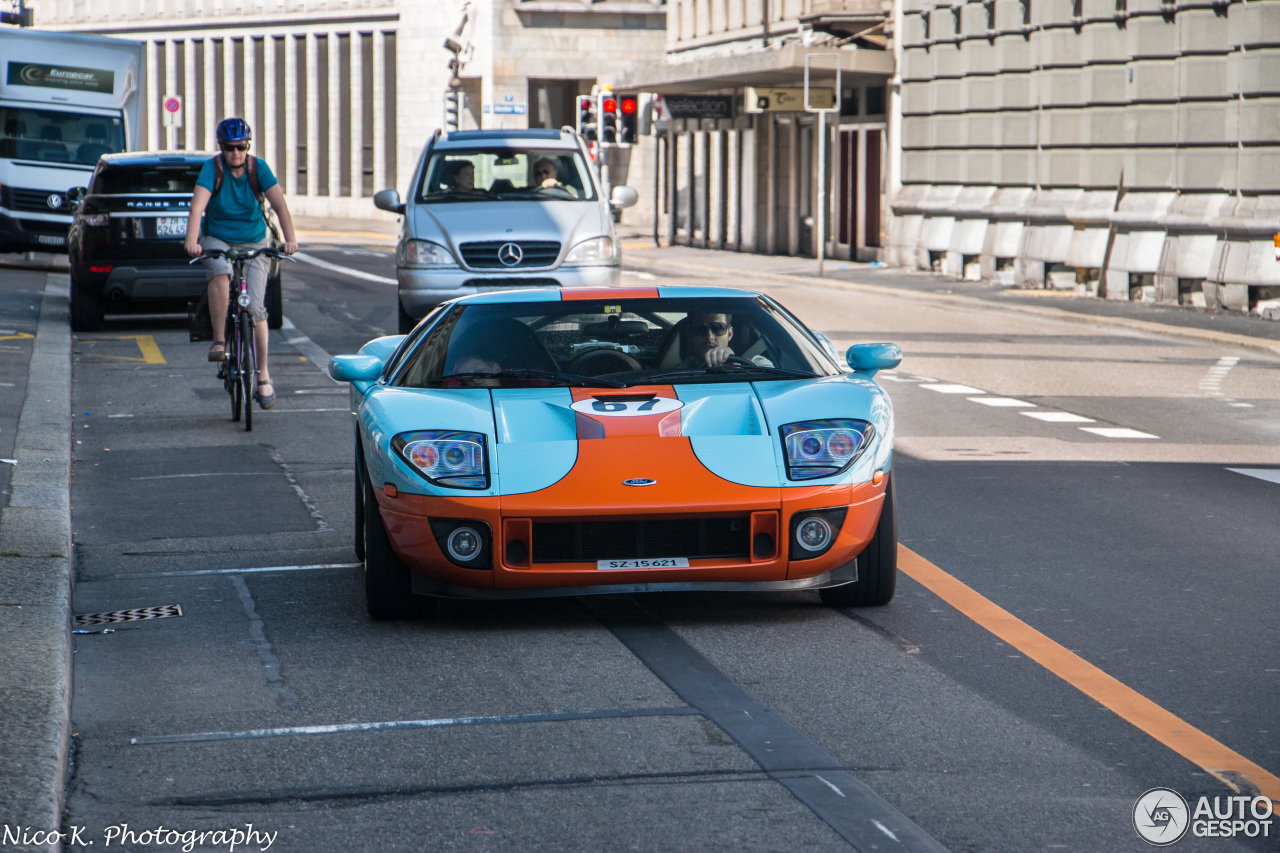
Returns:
<point x="823" y="448"/>
<point x="445" y="457"/>
<point x="424" y="253"/>
<point x="597" y="250"/>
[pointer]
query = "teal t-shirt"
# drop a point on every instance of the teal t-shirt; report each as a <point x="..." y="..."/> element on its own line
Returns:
<point x="234" y="215"/>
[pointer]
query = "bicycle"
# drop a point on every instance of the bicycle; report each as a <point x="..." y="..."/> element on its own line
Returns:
<point x="238" y="369"/>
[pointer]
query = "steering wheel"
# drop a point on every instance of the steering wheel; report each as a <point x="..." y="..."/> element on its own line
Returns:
<point x="740" y="361"/>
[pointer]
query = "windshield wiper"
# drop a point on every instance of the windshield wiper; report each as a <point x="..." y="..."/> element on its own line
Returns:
<point x="521" y="373"/>
<point x="721" y="370"/>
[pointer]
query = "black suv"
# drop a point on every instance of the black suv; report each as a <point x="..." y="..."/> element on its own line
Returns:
<point x="125" y="243"/>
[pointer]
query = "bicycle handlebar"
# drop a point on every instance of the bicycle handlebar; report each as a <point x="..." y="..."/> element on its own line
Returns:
<point x="234" y="255"/>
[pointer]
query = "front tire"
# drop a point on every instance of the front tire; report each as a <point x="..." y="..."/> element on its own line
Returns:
<point x="877" y="564"/>
<point x="86" y="308"/>
<point x="248" y="376"/>
<point x="387" y="590"/>
<point x="407" y="320"/>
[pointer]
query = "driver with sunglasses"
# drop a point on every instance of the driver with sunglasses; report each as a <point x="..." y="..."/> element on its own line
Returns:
<point x="706" y="342"/>
<point x="233" y="218"/>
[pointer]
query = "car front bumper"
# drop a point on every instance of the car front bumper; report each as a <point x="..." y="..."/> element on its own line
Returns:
<point x="421" y="289"/>
<point x="23" y="234"/>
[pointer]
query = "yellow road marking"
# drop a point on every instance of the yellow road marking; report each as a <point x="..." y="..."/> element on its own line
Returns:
<point x="20" y="336"/>
<point x="636" y="244"/>
<point x="146" y="345"/>
<point x="1192" y="744"/>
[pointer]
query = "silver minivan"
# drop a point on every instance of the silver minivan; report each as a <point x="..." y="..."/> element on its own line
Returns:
<point x="499" y="209"/>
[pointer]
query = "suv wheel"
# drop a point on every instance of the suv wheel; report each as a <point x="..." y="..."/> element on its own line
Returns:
<point x="86" y="308"/>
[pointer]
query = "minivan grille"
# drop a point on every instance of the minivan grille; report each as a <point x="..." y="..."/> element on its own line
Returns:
<point x="534" y="253"/>
<point x="588" y="541"/>
<point x="16" y="198"/>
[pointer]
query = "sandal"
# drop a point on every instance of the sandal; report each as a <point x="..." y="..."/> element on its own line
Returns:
<point x="266" y="400"/>
<point x="218" y="351"/>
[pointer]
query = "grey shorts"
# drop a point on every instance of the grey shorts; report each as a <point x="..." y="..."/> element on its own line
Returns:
<point x="255" y="272"/>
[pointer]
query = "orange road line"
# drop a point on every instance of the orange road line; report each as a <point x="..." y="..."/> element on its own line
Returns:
<point x="1232" y="769"/>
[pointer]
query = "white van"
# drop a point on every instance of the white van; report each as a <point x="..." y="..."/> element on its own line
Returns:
<point x="56" y="119"/>
<point x="500" y="209"/>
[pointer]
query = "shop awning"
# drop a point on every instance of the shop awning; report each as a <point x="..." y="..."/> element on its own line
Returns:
<point x="775" y="66"/>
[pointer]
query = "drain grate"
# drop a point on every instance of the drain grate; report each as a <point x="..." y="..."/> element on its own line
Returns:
<point x="164" y="611"/>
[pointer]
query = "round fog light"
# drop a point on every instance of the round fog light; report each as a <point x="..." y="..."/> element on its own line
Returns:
<point x="463" y="544"/>
<point x="814" y="533"/>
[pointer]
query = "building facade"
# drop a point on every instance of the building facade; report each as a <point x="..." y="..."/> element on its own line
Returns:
<point x="750" y="181"/>
<point x="1126" y="148"/>
<point x="343" y="94"/>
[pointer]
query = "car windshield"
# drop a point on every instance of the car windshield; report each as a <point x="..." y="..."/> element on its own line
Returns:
<point x="179" y="179"/>
<point x="613" y="343"/>
<point x="58" y="137"/>
<point x="505" y="174"/>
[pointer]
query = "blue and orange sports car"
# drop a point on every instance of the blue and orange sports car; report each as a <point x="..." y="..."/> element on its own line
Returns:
<point x="547" y="442"/>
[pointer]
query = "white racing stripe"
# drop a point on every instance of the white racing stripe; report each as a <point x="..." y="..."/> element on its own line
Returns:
<point x="349" y="271"/>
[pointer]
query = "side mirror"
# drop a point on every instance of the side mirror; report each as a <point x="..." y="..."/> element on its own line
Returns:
<point x="355" y="368"/>
<point x="388" y="200"/>
<point x="76" y="195"/>
<point x="623" y="197"/>
<point x="869" y="359"/>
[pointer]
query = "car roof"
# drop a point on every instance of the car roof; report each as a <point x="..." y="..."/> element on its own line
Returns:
<point x="156" y="158"/>
<point x="556" y="294"/>
<point x="545" y="138"/>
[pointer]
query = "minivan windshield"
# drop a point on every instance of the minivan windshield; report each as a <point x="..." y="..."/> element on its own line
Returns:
<point x="54" y="136"/>
<point x="504" y="173"/>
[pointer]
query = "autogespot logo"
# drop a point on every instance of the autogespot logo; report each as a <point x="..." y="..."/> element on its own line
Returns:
<point x="1160" y="817"/>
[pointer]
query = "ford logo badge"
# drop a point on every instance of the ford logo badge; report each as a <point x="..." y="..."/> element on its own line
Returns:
<point x="639" y="481"/>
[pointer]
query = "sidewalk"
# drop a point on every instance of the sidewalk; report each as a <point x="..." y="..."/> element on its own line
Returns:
<point x="1221" y="327"/>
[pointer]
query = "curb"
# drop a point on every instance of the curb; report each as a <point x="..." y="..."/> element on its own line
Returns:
<point x="1262" y="345"/>
<point x="35" y="583"/>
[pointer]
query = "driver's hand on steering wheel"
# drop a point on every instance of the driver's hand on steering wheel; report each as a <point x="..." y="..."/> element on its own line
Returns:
<point x="718" y="356"/>
<point x="550" y="184"/>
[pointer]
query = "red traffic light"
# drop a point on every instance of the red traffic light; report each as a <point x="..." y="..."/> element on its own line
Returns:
<point x="610" y="105"/>
<point x="628" y="105"/>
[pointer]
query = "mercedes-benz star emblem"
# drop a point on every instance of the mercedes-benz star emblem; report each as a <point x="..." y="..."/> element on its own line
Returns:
<point x="54" y="201"/>
<point x="639" y="481"/>
<point x="509" y="254"/>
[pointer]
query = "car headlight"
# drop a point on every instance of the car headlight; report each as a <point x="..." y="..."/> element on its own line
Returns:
<point x="424" y="253"/>
<point x="95" y="220"/>
<point x="445" y="458"/>
<point x="823" y="448"/>
<point x="597" y="250"/>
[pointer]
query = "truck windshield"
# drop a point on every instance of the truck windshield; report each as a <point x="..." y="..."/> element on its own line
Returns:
<point x="504" y="174"/>
<point x="53" y="136"/>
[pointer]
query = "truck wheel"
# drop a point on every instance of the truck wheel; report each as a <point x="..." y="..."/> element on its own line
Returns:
<point x="275" y="302"/>
<point x="86" y="309"/>
<point x="387" y="592"/>
<point x="877" y="564"/>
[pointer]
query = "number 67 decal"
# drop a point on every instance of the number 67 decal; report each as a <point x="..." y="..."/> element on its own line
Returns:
<point x="627" y="407"/>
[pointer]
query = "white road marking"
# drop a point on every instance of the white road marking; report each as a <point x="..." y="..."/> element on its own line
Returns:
<point x="829" y="785"/>
<point x="1058" y="417"/>
<point x="119" y="416"/>
<point x="1211" y="382"/>
<point x="880" y="826"/>
<point x="211" y="474"/>
<point x="317" y="391"/>
<point x="954" y="389"/>
<point x="284" y="411"/>
<point x="1118" y="432"/>
<point x="9" y="461"/>
<point x="646" y="276"/>
<point x="351" y="271"/>
<point x="307" y="347"/>
<point x="194" y="572"/>
<point x="1001" y="402"/>
<point x="1271" y="475"/>
<point x="1241" y="405"/>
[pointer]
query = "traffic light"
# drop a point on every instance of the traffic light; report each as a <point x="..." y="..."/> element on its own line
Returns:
<point x="628" y="119"/>
<point x="608" y="118"/>
<point x="453" y="103"/>
<point x="586" y="118"/>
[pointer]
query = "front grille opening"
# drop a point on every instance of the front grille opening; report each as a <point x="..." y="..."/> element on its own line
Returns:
<point x="587" y="541"/>
<point x="488" y="254"/>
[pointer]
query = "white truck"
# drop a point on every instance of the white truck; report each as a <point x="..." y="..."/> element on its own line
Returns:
<point x="65" y="100"/>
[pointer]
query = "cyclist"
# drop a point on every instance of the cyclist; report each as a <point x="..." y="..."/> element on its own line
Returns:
<point x="226" y="212"/>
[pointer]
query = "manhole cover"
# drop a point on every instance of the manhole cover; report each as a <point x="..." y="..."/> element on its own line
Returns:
<point x="164" y="611"/>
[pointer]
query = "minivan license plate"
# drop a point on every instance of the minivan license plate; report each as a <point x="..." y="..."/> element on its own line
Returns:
<point x="171" y="226"/>
<point x="651" y="563"/>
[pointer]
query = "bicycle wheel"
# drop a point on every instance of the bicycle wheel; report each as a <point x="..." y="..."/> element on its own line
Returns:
<point x="248" y="375"/>
<point x="231" y="368"/>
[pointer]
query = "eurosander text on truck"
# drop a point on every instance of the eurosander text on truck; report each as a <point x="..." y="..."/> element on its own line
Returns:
<point x="56" y="120"/>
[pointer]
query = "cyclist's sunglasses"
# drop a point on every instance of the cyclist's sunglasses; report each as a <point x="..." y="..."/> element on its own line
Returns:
<point x="244" y="146"/>
<point x="716" y="329"/>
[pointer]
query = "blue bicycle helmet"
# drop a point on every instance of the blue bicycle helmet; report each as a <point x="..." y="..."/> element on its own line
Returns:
<point x="233" y="130"/>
